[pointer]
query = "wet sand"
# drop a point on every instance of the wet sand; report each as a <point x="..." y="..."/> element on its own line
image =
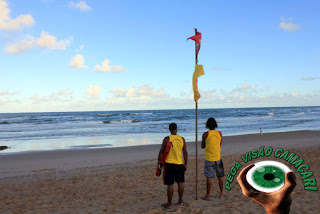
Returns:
<point x="122" y="180"/>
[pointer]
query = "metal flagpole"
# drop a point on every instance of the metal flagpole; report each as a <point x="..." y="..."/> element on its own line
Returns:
<point x="196" y="125"/>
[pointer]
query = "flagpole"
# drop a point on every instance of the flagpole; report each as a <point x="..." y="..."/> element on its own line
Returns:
<point x="196" y="59"/>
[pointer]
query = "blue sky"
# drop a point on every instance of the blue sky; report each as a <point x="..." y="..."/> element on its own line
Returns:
<point x="129" y="55"/>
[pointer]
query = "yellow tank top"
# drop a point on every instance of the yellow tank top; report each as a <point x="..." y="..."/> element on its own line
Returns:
<point x="213" y="148"/>
<point x="175" y="154"/>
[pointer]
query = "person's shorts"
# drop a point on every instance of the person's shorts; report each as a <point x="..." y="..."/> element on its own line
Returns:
<point x="213" y="167"/>
<point x="173" y="173"/>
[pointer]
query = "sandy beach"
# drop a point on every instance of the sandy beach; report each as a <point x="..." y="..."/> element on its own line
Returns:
<point x="122" y="180"/>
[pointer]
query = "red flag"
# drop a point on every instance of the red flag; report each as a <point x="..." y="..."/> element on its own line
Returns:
<point x="197" y="39"/>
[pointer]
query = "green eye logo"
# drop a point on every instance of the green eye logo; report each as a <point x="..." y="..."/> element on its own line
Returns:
<point x="267" y="176"/>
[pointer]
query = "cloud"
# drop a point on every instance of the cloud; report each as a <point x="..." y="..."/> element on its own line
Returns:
<point x="130" y="92"/>
<point x="3" y="101"/>
<point x="81" y="5"/>
<point x="80" y="48"/>
<point x="44" y="41"/>
<point x="142" y="91"/>
<point x="309" y="78"/>
<point x="119" y="92"/>
<point x="77" y="62"/>
<point x="64" y="95"/>
<point x="286" y="25"/>
<point x="147" y="90"/>
<point x="244" y="88"/>
<point x="5" y="92"/>
<point x="295" y="94"/>
<point x="93" y="91"/>
<point x="65" y="92"/>
<point x="105" y="67"/>
<point x="18" y="23"/>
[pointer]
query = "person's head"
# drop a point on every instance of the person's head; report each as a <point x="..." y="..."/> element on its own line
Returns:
<point x="211" y="123"/>
<point x="173" y="128"/>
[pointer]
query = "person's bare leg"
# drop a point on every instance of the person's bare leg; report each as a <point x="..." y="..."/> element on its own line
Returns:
<point x="169" y="194"/>
<point x="180" y="190"/>
<point x="221" y="186"/>
<point x="208" y="196"/>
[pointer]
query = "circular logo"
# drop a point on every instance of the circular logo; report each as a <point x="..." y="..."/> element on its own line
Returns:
<point x="267" y="176"/>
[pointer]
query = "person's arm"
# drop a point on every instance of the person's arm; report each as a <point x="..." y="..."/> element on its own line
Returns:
<point x="203" y="142"/>
<point x="221" y="138"/>
<point x="277" y="202"/>
<point x="185" y="153"/>
<point x="163" y="146"/>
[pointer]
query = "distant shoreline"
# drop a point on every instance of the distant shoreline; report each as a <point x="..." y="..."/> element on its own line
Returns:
<point x="122" y="110"/>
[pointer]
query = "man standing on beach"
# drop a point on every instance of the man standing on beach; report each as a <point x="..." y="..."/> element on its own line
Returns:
<point x="174" y="169"/>
<point x="211" y="142"/>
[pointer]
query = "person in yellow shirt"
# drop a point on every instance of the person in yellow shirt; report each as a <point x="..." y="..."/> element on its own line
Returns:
<point x="174" y="168"/>
<point x="211" y="142"/>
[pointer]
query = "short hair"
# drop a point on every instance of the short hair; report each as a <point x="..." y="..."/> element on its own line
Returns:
<point x="173" y="127"/>
<point x="211" y="123"/>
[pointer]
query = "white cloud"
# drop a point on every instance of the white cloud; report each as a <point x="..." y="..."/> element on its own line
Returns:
<point x="5" y="92"/>
<point x="44" y="41"/>
<point x="295" y="94"/>
<point x="119" y="92"/>
<point x="309" y="78"/>
<point x="81" y="5"/>
<point x="244" y="88"/>
<point x="7" y="23"/>
<point x="147" y="90"/>
<point x="65" y="92"/>
<point x="286" y="25"/>
<point x="77" y="62"/>
<point x="64" y="95"/>
<point x="130" y="92"/>
<point x="141" y="92"/>
<point x="3" y="100"/>
<point x="93" y="91"/>
<point x="80" y="48"/>
<point x="105" y="67"/>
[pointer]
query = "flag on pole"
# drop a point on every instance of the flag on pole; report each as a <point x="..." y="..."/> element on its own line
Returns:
<point x="198" y="71"/>
<point x="197" y="39"/>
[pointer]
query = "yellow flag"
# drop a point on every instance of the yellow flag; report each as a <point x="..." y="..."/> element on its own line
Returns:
<point x="198" y="71"/>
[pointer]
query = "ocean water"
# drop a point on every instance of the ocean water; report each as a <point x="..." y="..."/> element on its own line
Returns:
<point x="77" y="130"/>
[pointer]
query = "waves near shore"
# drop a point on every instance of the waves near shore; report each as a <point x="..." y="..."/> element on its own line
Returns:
<point x="25" y="126"/>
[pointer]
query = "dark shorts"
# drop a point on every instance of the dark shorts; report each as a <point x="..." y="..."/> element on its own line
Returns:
<point x="213" y="167"/>
<point x="173" y="173"/>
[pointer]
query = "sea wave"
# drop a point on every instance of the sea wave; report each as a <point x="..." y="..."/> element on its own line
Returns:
<point x="106" y="115"/>
<point x="4" y="122"/>
<point x="159" y="119"/>
<point x="121" y="121"/>
<point x="82" y="118"/>
<point x="300" y="113"/>
<point x="141" y="113"/>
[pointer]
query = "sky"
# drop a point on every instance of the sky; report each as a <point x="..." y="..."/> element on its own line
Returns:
<point x="96" y="55"/>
